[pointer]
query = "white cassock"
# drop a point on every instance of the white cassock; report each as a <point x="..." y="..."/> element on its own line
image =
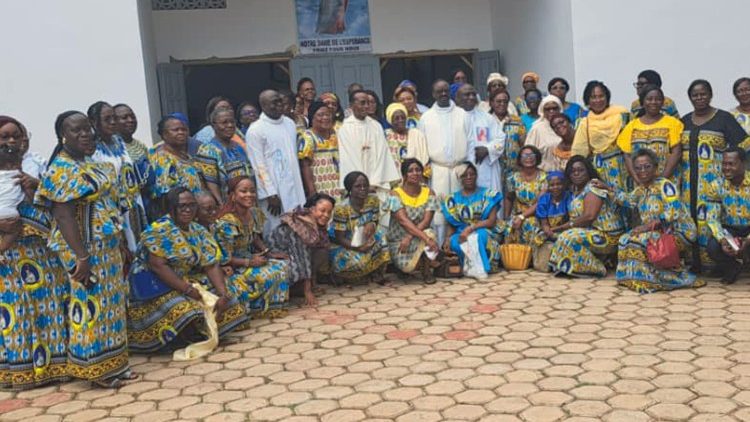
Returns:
<point x="272" y="149"/>
<point x="362" y="147"/>
<point x="484" y="131"/>
<point x="447" y="131"/>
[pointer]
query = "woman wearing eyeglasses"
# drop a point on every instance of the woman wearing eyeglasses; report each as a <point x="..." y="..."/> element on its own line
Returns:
<point x="645" y="78"/>
<point x="524" y="187"/>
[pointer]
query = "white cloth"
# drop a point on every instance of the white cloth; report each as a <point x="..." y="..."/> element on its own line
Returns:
<point x="544" y="137"/>
<point x="362" y="147"/>
<point x="272" y="149"/>
<point x="485" y="107"/>
<point x="484" y="131"/>
<point x="33" y="164"/>
<point x="11" y="194"/>
<point x="447" y="132"/>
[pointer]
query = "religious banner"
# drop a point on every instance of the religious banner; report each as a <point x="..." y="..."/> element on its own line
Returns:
<point x="333" y="26"/>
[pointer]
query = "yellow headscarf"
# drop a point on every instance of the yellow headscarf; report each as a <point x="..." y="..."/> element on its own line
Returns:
<point x="392" y="108"/>
<point x="533" y="75"/>
<point x="598" y="132"/>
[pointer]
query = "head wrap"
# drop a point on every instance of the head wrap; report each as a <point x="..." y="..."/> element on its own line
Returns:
<point x="555" y="173"/>
<point x="497" y="77"/>
<point x="328" y="96"/>
<point x="454" y="89"/>
<point x="407" y="88"/>
<point x="313" y="108"/>
<point x="392" y="109"/>
<point x="460" y="169"/>
<point x="532" y="75"/>
<point x="546" y="100"/>
<point x="179" y="116"/>
<point x="408" y="83"/>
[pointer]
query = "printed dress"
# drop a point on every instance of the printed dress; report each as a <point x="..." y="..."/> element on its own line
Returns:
<point x="97" y="348"/>
<point x="658" y="202"/>
<point x="324" y="160"/>
<point x="462" y="211"/>
<point x="415" y="208"/>
<point x="742" y="118"/>
<point x="155" y="323"/>
<point x="515" y="136"/>
<point x="578" y="251"/>
<point x="349" y="264"/>
<point x="219" y="163"/>
<point x="702" y="151"/>
<point x="265" y="290"/>
<point x="34" y="292"/>
<point x="527" y="192"/>
<point x="659" y="137"/>
<point x="170" y="171"/>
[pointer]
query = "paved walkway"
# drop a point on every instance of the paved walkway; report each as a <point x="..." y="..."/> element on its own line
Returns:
<point x="519" y="347"/>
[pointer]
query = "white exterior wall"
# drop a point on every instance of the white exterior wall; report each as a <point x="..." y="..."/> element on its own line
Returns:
<point x="66" y="55"/>
<point x="258" y="27"/>
<point x="534" y="35"/>
<point x="683" y="40"/>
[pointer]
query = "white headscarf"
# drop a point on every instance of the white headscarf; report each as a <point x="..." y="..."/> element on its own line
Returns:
<point x="497" y="77"/>
<point x="541" y="134"/>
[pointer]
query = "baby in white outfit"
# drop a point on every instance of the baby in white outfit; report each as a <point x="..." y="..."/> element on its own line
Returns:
<point x="11" y="195"/>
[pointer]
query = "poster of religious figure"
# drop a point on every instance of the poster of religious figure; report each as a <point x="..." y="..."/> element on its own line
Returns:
<point x="333" y="26"/>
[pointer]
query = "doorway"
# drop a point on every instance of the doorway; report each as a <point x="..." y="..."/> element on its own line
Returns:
<point x="423" y="70"/>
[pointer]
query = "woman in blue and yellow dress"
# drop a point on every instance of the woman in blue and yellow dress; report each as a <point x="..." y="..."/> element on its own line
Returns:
<point x="596" y="135"/>
<point x="261" y="275"/>
<point x="173" y="164"/>
<point x="222" y="158"/>
<point x="473" y="209"/>
<point x="512" y="127"/>
<point x="318" y="152"/>
<point x="594" y="226"/>
<point x="179" y="252"/>
<point x="524" y="187"/>
<point x="33" y="288"/>
<point x="85" y="200"/>
<point x="358" y="210"/>
<point x="110" y="148"/>
<point x="412" y="207"/>
<point x="657" y="201"/>
<point x="708" y="132"/>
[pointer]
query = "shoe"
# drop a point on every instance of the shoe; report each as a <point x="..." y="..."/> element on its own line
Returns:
<point x="731" y="275"/>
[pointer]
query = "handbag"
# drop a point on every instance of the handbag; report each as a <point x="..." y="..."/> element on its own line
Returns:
<point x="450" y="266"/>
<point x="145" y="285"/>
<point x="663" y="252"/>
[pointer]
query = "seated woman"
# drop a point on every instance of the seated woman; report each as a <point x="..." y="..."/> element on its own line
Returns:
<point x="179" y="251"/>
<point x="473" y="209"/>
<point x="412" y="207"/>
<point x="552" y="214"/>
<point x="367" y="255"/>
<point x="657" y="201"/>
<point x="524" y="187"/>
<point x="261" y="274"/>
<point x="593" y="227"/>
<point x="303" y="236"/>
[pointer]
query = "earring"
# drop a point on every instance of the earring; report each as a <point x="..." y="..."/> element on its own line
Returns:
<point x="64" y="140"/>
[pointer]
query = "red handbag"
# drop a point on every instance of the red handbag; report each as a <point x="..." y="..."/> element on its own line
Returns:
<point x="663" y="252"/>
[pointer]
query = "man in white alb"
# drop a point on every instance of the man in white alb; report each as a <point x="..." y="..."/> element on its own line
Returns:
<point x="272" y="149"/>
<point x="445" y="127"/>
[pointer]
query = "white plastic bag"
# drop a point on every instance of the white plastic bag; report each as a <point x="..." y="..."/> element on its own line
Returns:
<point x="358" y="237"/>
<point x="473" y="265"/>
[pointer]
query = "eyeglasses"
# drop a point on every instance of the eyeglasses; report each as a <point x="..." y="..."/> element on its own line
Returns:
<point x="644" y="167"/>
<point x="638" y="84"/>
<point x="209" y="210"/>
<point x="528" y="155"/>
<point x="187" y="207"/>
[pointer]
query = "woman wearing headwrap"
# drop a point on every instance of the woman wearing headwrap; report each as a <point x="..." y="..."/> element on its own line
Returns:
<point x="318" y="152"/>
<point x="360" y="249"/>
<point x="496" y="82"/>
<point x="407" y="96"/>
<point x="543" y="136"/>
<point x="529" y="80"/>
<point x="473" y="209"/>
<point x="404" y="142"/>
<point x="332" y="101"/>
<point x="596" y="136"/>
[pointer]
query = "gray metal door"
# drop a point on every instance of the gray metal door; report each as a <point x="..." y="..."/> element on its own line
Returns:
<point x="485" y="62"/>
<point x="319" y="69"/>
<point x="172" y="96"/>
<point x="364" y="69"/>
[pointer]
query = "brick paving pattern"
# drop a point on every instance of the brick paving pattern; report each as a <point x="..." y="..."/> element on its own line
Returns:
<point x="517" y="347"/>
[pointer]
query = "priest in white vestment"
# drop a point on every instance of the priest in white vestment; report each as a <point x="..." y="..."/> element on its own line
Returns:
<point x="445" y="127"/>
<point x="272" y="149"/>
<point x="362" y="146"/>
<point x="486" y="140"/>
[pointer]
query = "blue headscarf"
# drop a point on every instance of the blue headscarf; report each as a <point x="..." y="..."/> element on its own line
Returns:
<point x="454" y="89"/>
<point x="555" y="173"/>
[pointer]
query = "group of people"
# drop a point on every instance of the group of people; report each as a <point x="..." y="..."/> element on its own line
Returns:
<point x="110" y="246"/>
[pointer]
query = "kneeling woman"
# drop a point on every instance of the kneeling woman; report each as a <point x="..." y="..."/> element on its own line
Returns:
<point x="352" y="258"/>
<point x="657" y="201"/>
<point x="179" y="252"/>
<point x="473" y="209"/>
<point x="261" y="274"/>
<point x="594" y="225"/>
<point x="412" y="207"/>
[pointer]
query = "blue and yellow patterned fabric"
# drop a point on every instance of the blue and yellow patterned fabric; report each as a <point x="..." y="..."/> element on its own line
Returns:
<point x="728" y="205"/>
<point x="461" y="211"/>
<point x="265" y="289"/>
<point x="169" y="171"/>
<point x="527" y="192"/>
<point x="515" y="135"/>
<point x="155" y="323"/>
<point x="219" y="163"/>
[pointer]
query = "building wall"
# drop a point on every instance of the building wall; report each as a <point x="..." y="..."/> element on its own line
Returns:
<point x="258" y="27"/>
<point x="534" y="35"/>
<point x="682" y="40"/>
<point x="89" y="50"/>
